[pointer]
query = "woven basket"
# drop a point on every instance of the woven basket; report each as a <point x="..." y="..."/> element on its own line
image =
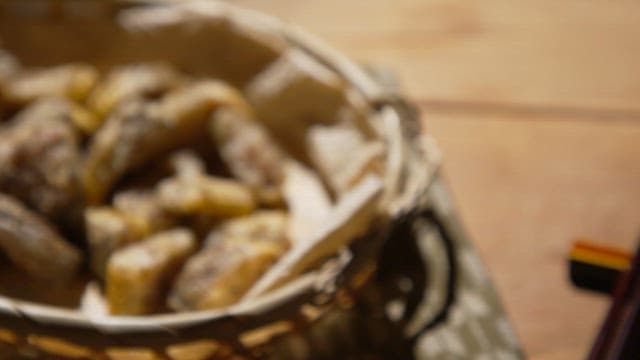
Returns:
<point x="193" y="35"/>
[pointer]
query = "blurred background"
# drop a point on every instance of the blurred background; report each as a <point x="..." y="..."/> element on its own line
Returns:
<point x="535" y="105"/>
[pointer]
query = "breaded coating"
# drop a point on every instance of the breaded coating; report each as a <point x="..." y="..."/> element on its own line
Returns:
<point x="138" y="275"/>
<point x="39" y="153"/>
<point x="206" y="195"/>
<point x="33" y="244"/>
<point x="186" y="163"/>
<point x="131" y="82"/>
<point x="71" y="81"/>
<point x="135" y="216"/>
<point x="139" y="132"/>
<point x="266" y="226"/>
<point x="247" y="149"/>
<point x="60" y="108"/>
<point x="108" y="230"/>
<point x="221" y="273"/>
<point x="235" y="255"/>
<point x="144" y="208"/>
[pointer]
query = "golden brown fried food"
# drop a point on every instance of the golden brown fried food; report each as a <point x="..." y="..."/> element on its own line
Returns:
<point x="266" y="226"/>
<point x="206" y="195"/>
<point x="181" y="163"/>
<point x="138" y="275"/>
<point x="221" y="273"/>
<point x="145" y="209"/>
<point x="249" y="151"/>
<point x="33" y="244"/>
<point x="135" y="216"/>
<point x="121" y="144"/>
<point x="139" y="132"/>
<point x="59" y="108"/>
<point x="186" y="163"/>
<point x="108" y="230"/>
<point x="132" y="81"/>
<point x="72" y="81"/>
<point x="236" y="253"/>
<point x="148" y="132"/>
<point x="38" y="155"/>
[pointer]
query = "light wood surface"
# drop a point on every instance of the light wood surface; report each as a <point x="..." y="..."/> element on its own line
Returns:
<point x="536" y="106"/>
<point x="526" y="187"/>
<point x="572" y="53"/>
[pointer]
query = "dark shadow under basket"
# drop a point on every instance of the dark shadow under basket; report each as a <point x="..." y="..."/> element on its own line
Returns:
<point x="105" y="33"/>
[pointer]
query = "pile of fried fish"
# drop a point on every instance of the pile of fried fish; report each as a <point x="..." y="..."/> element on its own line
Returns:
<point x="176" y="192"/>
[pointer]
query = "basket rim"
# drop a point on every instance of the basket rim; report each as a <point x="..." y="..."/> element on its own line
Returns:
<point x="372" y="92"/>
<point x="49" y="314"/>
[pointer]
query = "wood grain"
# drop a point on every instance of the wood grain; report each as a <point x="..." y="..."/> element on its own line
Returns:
<point x="548" y="53"/>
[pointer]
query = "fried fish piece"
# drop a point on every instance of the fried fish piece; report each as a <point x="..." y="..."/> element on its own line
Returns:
<point x="248" y="150"/>
<point x="265" y="225"/>
<point x="39" y="153"/>
<point x="139" y="132"/>
<point x="137" y="212"/>
<point x="180" y="163"/>
<point x="60" y="108"/>
<point x="138" y="275"/>
<point x="71" y="81"/>
<point x="206" y="195"/>
<point x="186" y="163"/>
<point x="144" y="208"/>
<point x="33" y="244"/>
<point x="134" y="216"/>
<point x="206" y="204"/>
<point x="108" y="230"/>
<point x="132" y="81"/>
<point x="234" y="256"/>
<point x="221" y="273"/>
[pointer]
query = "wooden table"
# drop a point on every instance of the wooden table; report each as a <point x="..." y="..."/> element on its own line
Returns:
<point x="536" y="106"/>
